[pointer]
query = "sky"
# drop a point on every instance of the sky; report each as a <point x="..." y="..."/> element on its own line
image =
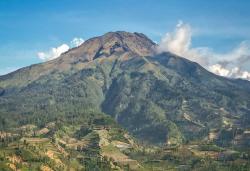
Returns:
<point x="215" y="32"/>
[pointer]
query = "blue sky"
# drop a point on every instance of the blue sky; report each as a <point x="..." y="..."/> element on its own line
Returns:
<point x="30" y="26"/>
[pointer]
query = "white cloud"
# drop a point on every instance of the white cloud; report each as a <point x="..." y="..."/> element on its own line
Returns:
<point x="76" y="42"/>
<point x="219" y="70"/>
<point x="55" y="52"/>
<point x="233" y="72"/>
<point x="238" y="56"/>
<point x="179" y="43"/>
<point x="228" y="64"/>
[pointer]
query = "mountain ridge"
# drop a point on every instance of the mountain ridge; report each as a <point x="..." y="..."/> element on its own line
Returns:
<point x="152" y="51"/>
<point x="160" y="98"/>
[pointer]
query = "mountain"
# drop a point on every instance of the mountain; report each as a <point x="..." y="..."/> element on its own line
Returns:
<point x="159" y="98"/>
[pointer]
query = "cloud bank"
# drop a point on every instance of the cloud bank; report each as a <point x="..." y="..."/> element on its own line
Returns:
<point x="55" y="52"/>
<point x="229" y="64"/>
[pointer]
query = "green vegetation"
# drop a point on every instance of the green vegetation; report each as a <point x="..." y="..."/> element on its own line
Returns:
<point x="113" y="104"/>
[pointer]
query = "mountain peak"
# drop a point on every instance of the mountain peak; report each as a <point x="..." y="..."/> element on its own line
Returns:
<point x="116" y="44"/>
<point x="127" y="35"/>
<point x="112" y="43"/>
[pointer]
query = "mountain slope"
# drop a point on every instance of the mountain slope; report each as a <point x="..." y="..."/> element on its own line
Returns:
<point x="159" y="98"/>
